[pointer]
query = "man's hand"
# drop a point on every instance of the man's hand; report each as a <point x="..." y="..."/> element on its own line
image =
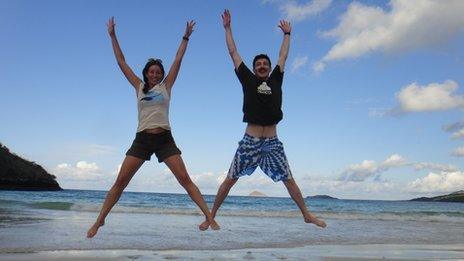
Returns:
<point x="226" y="18"/>
<point x="285" y="26"/>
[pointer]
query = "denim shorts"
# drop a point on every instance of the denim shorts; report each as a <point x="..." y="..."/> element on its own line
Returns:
<point x="145" y="144"/>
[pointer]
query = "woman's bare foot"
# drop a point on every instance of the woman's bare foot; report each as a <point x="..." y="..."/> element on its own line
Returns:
<point x="94" y="229"/>
<point x="312" y="219"/>
<point x="204" y="226"/>
<point x="214" y="225"/>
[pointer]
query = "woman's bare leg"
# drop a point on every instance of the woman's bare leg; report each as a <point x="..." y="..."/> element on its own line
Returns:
<point x="129" y="167"/>
<point x="177" y="167"/>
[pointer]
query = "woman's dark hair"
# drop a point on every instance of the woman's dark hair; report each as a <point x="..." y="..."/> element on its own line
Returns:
<point x="150" y="62"/>
<point x="261" y="56"/>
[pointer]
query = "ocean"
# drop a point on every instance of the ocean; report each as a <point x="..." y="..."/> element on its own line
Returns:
<point x="38" y="221"/>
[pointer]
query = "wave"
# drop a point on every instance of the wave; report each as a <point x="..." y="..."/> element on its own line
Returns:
<point x="420" y="216"/>
<point x="53" y="205"/>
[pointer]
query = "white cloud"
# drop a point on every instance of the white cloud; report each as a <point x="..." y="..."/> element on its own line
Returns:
<point x="299" y="62"/>
<point x="432" y="97"/>
<point x="434" y="166"/>
<point x="378" y="112"/>
<point x="454" y="126"/>
<point x="394" y="160"/>
<point x="295" y="12"/>
<point x="81" y="171"/>
<point x="459" y="152"/>
<point x="318" y="67"/>
<point x="85" y="166"/>
<point x="372" y="189"/>
<point x="407" y="25"/>
<point x="208" y="180"/>
<point x="443" y="182"/>
<point x="458" y="134"/>
<point x="369" y="168"/>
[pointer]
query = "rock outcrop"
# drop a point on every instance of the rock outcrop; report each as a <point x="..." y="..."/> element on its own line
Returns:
<point x="17" y="173"/>
<point x="457" y="196"/>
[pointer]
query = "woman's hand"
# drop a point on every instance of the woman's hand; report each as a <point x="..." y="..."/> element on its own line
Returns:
<point x="111" y="25"/>
<point x="189" y="28"/>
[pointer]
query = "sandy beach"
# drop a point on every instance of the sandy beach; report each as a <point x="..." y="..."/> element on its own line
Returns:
<point x="315" y="252"/>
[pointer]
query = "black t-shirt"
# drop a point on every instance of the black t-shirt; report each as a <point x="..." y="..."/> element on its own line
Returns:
<point x="262" y="100"/>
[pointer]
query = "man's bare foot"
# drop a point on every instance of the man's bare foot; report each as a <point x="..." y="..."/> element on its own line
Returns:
<point x="312" y="219"/>
<point x="214" y="225"/>
<point x="94" y="229"/>
<point x="204" y="226"/>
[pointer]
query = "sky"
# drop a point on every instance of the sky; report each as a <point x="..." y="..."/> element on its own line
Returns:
<point x="372" y="96"/>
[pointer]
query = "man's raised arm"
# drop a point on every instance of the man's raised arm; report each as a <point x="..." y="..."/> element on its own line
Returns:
<point x="230" y="39"/>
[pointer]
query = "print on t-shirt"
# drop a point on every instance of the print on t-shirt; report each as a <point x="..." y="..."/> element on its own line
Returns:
<point x="264" y="89"/>
<point x="153" y="96"/>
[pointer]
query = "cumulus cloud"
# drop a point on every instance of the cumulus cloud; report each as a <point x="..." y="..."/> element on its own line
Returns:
<point x="81" y="171"/>
<point x="373" y="189"/>
<point x="431" y="97"/>
<point x="406" y="25"/>
<point x="295" y="12"/>
<point x="458" y="134"/>
<point x="456" y="128"/>
<point x="459" y="152"/>
<point x="442" y="182"/>
<point x="369" y="168"/>
<point x="434" y="166"/>
<point x="299" y="62"/>
<point x="378" y="112"/>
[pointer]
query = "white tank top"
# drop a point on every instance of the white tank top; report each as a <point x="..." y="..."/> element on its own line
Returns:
<point x="153" y="107"/>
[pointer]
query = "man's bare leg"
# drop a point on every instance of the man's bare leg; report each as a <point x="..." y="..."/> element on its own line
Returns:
<point x="222" y="193"/>
<point x="295" y="193"/>
<point x="129" y="167"/>
<point x="177" y="166"/>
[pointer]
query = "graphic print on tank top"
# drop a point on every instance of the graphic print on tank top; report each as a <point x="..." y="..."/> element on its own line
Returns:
<point x="153" y="97"/>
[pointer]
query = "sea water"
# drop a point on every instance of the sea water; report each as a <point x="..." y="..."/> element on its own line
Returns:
<point x="33" y="221"/>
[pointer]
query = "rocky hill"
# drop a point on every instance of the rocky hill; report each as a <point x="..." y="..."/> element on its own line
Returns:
<point x="257" y="194"/>
<point x="17" y="173"/>
<point x="457" y="196"/>
<point x="321" y="197"/>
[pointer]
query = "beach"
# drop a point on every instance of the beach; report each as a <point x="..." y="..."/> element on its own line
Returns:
<point x="318" y="252"/>
<point x="151" y="226"/>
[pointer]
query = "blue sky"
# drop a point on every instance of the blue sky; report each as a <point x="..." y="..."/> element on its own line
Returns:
<point x="373" y="100"/>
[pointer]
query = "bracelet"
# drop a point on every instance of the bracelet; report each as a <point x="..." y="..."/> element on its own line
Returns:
<point x="185" y="38"/>
<point x="287" y="33"/>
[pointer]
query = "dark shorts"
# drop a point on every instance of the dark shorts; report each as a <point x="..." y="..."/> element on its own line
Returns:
<point x="145" y="144"/>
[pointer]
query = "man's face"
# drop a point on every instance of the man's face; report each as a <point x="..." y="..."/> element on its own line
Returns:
<point x="262" y="68"/>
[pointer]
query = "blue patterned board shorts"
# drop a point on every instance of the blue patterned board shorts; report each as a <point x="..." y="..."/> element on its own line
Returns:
<point x="267" y="153"/>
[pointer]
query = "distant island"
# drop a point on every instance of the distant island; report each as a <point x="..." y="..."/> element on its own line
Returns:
<point x="17" y="173"/>
<point x="257" y="194"/>
<point x="321" y="197"/>
<point x="457" y="196"/>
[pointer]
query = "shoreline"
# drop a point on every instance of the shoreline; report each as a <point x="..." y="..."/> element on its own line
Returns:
<point x="311" y="252"/>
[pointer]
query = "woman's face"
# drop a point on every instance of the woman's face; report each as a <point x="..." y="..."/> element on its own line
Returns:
<point x="154" y="75"/>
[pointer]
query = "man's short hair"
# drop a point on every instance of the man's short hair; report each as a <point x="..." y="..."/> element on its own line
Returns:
<point x="261" y="56"/>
